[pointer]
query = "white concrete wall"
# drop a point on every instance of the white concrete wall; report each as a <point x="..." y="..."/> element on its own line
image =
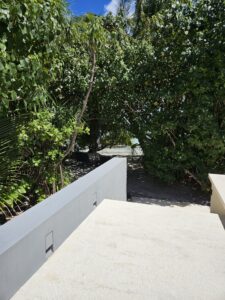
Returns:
<point x="217" y="205"/>
<point x="25" y="239"/>
<point x="218" y="194"/>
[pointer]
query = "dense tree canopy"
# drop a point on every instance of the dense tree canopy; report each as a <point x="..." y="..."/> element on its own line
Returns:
<point x="157" y="75"/>
<point x="173" y="96"/>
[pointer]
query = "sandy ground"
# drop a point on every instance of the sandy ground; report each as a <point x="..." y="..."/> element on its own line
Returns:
<point x="145" y="188"/>
<point x="141" y="187"/>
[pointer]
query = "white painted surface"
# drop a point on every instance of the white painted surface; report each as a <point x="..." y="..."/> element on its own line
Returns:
<point x="187" y="206"/>
<point x="137" y="252"/>
<point x="25" y="239"/>
<point x="218" y="194"/>
<point x="218" y="181"/>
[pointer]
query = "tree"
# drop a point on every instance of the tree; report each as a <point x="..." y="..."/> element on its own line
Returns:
<point x="33" y="35"/>
<point x="168" y="90"/>
<point x="183" y="132"/>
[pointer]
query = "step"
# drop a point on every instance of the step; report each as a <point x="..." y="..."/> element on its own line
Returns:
<point x="135" y="251"/>
<point x="188" y="206"/>
<point x="218" y="194"/>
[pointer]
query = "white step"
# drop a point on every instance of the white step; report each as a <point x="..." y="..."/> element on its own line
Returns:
<point x="135" y="251"/>
<point x="180" y="205"/>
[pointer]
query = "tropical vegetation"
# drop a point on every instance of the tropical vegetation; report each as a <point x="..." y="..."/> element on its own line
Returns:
<point x="157" y="74"/>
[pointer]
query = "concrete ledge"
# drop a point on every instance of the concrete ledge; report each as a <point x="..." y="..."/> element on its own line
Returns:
<point x="28" y="240"/>
<point x="132" y="251"/>
<point x="218" y="194"/>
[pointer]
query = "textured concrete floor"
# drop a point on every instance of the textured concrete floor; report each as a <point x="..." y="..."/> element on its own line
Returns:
<point x="136" y="251"/>
<point x="187" y="206"/>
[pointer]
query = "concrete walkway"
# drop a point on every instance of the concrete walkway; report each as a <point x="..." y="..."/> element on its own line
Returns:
<point x="187" y="206"/>
<point x="136" y="251"/>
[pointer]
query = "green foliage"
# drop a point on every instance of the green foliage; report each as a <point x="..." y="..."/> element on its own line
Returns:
<point x="36" y="125"/>
<point x="171" y="92"/>
<point x="7" y="149"/>
<point x="30" y="38"/>
<point x="9" y="162"/>
<point x="119" y="137"/>
<point x="187" y="130"/>
<point x="41" y="142"/>
<point x="159" y="76"/>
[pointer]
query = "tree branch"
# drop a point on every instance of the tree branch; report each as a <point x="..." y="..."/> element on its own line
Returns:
<point x="71" y="146"/>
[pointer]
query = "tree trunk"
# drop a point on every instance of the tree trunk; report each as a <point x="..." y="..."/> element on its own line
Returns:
<point x="71" y="146"/>
<point x="94" y="125"/>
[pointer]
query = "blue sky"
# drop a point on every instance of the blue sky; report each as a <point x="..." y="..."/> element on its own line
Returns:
<point x="80" y="7"/>
<point x="99" y="7"/>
